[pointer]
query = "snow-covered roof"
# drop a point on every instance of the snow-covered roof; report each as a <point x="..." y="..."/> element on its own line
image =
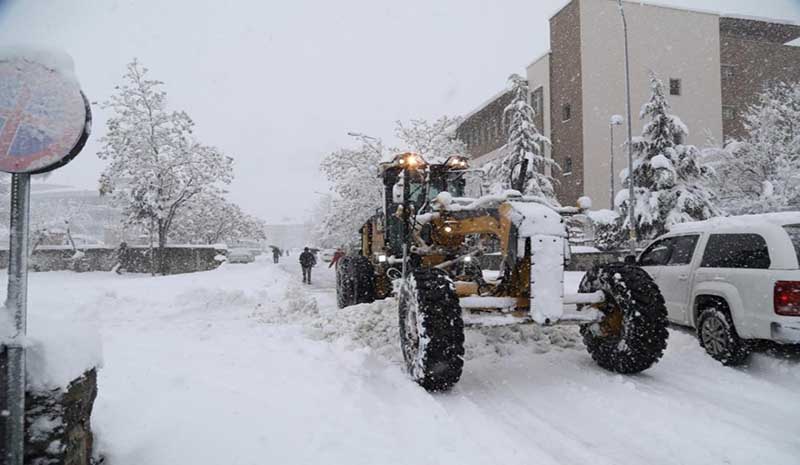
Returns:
<point x="749" y="222"/>
<point x="768" y="225"/>
<point x="691" y="10"/>
<point x="484" y="104"/>
<point x="536" y="60"/>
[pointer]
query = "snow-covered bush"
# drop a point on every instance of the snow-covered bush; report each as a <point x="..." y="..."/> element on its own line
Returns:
<point x="212" y="219"/>
<point x="762" y="173"/>
<point x="669" y="178"/>
<point x="608" y="231"/>
<point x="522" y="165"/>
<point x="155" y="166"/>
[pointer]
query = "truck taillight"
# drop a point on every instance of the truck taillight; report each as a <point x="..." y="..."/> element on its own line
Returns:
<point x="787" y="298"/>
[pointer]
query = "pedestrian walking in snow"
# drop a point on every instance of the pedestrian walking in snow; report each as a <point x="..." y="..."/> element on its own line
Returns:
<point x="307" y="261"/>
<point x="276" y="254"/>
<point x="123" y="258"/>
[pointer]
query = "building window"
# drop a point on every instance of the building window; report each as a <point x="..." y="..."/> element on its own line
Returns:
<point x="727" y="71"/>
<point x="674" y="87"/>
<point x="567" y="166"/>
<point x="728" y="113"/>
<point x="566" y="112"/>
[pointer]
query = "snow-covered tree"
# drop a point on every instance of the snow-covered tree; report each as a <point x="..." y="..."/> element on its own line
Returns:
<point x="212" y="219"/>
<point x="434" y="141"/>
<point x="762" y="172"/>
<point x="357" y="191"/>
<point x="155" y="166"/>
<point x="669" y="178"/>
<point x="522" y="166"/>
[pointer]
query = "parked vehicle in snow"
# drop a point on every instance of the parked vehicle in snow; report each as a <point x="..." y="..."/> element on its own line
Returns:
<point x="735" y="280"/>
<point x="422" y="247"/>
<point x="326" y="255"/>
<point x="240" y="256"/>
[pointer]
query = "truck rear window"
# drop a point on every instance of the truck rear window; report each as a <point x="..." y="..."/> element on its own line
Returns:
<point x="794" y="234"/>
<point x="736" y="251"/>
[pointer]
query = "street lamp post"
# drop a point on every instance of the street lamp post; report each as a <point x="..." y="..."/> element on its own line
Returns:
<point x="615" y="120"/>
<point x="373" y="142"/>
<point x="631" y="199"/>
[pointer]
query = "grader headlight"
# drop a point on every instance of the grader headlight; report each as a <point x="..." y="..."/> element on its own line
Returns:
<point x="457" y="162"/>
<point x="411" y="161"/>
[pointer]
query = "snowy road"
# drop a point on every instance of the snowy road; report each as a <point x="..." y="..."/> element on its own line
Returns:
<point x="244" y="365"/>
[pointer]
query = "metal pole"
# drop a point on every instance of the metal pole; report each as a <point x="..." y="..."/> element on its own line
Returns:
<point x="611" y="130"/>
<point x="631" y="199"/>
<point x="16" y="305"/>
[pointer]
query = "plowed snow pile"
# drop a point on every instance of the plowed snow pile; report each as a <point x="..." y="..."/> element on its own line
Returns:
<point x="375" y="326"/>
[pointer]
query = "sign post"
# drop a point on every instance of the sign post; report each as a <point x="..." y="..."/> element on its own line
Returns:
<point x="44" y="123"/>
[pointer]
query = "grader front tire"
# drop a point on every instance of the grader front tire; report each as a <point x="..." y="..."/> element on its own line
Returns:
<point x="431" y="330"/>
<point x="633" y="334"/>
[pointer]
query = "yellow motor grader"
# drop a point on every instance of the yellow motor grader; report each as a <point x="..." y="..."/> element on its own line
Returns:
<point x="424" y="247"/>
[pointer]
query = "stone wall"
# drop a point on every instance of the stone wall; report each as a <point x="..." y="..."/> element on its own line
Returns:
<point x="578" y="261"/>
<point x="186" y="259"/>
<point x="585" y="261"/>
<point x="58" y="424"/>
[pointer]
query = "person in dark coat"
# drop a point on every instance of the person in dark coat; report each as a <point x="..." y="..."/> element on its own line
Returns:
<point x="307" y="261"/>
<point x="123" y="258"/>
<point x="276" y="254"/>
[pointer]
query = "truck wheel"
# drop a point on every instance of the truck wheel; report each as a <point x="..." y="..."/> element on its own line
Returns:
<point x="718" y="337"/>
<point x="344" y="282"/>
<point x="363" y="275"/>
<point x="431" y="330"/>
<point x="633" y="334"/>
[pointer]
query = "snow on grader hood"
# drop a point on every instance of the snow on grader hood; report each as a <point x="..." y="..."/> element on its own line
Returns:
<point x="424" y="248"/>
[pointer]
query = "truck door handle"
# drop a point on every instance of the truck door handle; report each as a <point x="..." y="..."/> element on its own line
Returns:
<point x="683" y="277"/>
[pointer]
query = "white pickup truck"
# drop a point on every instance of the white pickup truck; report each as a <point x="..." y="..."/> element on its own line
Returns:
<point x="734" y="279"/>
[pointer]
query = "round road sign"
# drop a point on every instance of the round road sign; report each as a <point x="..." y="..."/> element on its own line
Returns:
<point x="44" y="117"/>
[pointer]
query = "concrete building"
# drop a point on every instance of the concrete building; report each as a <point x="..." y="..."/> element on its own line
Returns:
<point x="712" y="66"/>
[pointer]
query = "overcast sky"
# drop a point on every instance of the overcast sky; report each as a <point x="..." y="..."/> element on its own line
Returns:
<point x="278" y="84"/>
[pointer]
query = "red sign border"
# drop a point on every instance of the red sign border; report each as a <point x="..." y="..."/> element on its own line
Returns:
<point x="79" y="144"/>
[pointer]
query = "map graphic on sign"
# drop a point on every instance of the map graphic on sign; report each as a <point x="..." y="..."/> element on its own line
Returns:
<point x="44" y="117"/>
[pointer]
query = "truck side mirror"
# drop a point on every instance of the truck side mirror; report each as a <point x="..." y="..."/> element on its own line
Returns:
<point x="630" y="259"/>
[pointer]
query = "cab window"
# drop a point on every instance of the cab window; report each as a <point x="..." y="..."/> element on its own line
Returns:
<point x="657" y="254"/>
<point x="670" y="251"/>
<point x="682" y="250"/>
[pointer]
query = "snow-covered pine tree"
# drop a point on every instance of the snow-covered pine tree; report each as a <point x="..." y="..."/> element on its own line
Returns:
<point x="522" y="166"/>
<point x="760" y="173"/>
<point x="670" y="181"/>
<point x="155" y="166"/>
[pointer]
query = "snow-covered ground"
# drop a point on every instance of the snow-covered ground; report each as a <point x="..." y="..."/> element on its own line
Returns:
<point x="245" y="365"/>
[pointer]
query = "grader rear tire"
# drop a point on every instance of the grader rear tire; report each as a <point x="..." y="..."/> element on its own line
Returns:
<point x="363" y="280"/>
<point x="344" y="282"/>
<point x="633" y="335"/>
<point x="431" y="330"/>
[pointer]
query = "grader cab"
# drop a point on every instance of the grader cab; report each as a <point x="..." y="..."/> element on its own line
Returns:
<point x="424" y="247"/>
